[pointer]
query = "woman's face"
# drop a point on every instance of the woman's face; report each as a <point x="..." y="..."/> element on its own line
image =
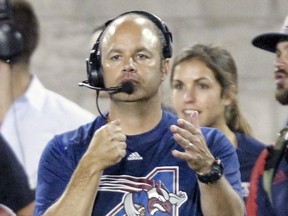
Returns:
<point x="194" y="87"/>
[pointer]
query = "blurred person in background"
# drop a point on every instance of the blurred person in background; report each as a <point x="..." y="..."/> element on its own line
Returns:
<point x="269" y="183"/>
<point x="32" y="114"/>
<point x="204" y="78"/>
<point x="15" y="192"/>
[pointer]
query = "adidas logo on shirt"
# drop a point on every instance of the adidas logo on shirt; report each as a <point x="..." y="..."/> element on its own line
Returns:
<point x="134" y="156"/>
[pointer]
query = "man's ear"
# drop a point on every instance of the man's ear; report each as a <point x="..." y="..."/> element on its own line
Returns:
<point x="165" y="68"/>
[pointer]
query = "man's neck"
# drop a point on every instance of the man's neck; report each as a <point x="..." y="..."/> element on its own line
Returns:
<point x="136" y="117"/>
<point x="20" y="83"/>
<point x="13" y="86"/>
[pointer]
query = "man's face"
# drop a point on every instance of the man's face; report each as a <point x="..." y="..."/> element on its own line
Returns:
<point x="281" y="72"/>
<point x="131" y="50"/>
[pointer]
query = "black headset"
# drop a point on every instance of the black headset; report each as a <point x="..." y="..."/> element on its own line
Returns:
<point x="11" y="42"/>
<point x="93" y="63"/>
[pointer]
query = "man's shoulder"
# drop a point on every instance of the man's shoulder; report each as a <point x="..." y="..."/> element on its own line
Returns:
<point x="77" y="139"/>
<point x="81" y="133"/>
<point x="87" y="129"/>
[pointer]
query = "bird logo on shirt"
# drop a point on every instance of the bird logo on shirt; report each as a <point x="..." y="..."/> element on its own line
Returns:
<point x="145" y="196"/>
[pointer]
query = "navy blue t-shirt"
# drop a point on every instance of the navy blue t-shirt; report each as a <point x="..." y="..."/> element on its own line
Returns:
<point x="149" y="179"/>
<point x="248" y="151"/>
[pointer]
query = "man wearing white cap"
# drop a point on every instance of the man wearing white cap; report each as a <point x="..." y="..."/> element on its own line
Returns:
<point x="269" y="181"/>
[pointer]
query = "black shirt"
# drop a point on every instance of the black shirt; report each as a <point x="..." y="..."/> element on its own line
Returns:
<point x="14" y="187"/>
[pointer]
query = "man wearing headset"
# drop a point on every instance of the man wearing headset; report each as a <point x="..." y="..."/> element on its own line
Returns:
<point x="137" y="159"/>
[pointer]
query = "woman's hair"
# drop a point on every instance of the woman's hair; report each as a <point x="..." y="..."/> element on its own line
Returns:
<point x="220" y="61"/>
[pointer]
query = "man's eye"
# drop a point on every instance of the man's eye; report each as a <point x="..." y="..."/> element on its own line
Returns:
<point x="142" y="56"/>
<point x="115" y="57"/>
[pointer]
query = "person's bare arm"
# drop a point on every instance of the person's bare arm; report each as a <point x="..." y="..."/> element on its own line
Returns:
<point x="79" y="196"/>
<point x="106" y="148"/>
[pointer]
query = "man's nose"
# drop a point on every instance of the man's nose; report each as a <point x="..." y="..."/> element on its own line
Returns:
<point x="129" y="65"/>
<point x="279" y="64"/>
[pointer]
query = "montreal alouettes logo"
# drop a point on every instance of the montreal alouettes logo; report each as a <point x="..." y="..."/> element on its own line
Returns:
<point x="156" y="194"/>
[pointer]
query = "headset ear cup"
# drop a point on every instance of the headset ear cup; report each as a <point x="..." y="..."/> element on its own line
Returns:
<point x="94" y="71"/>
<point x="167" y="51"/>
<point x="95" y="79"/>
<point x="11" y="41"/>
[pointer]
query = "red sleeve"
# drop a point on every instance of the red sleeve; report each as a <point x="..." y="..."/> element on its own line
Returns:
<point x="251" y="202"/>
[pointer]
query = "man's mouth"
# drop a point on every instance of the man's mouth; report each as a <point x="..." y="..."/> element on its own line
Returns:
<point x="280" y="76"/>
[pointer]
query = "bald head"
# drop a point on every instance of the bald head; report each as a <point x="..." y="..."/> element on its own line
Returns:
<point x="131" y="27"/>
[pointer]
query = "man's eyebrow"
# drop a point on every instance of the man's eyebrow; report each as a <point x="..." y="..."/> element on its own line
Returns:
<point x="141" y="49"/>
<point x="116" y="50"/>
<point x="285" y="47"/>
<point x="119" y="50"/>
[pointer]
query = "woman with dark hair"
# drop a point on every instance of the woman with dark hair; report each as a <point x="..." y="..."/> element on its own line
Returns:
<point x="204" y="79"/>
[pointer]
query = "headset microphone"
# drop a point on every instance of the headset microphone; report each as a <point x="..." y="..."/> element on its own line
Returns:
<point x="126" y="87"/>
<point x="86" y="84"/>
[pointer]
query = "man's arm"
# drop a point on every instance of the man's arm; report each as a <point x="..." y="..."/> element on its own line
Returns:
<point x="79" y="196"/>
<point x="106" y="148"/>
